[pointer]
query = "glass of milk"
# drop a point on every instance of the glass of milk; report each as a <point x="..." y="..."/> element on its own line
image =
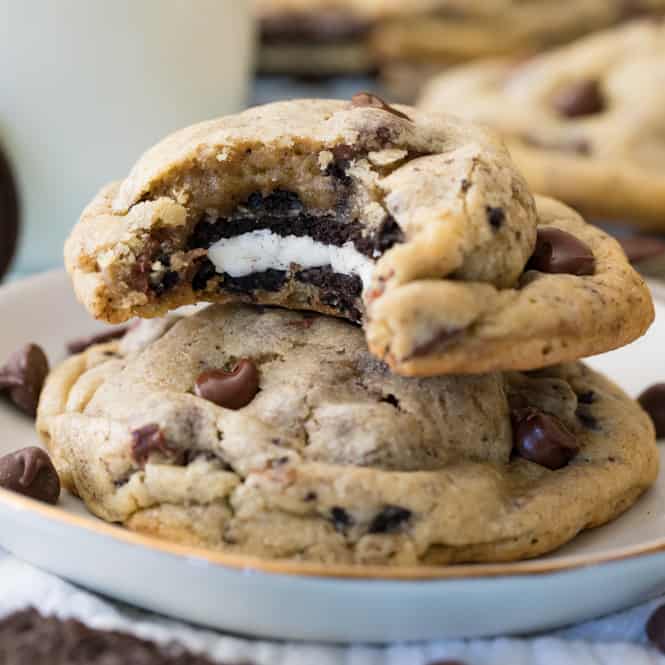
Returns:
<point x="87" y="85"/>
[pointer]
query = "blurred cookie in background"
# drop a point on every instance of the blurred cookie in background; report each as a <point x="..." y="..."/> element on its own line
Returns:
<point x="9" y="215"/>
<point x="646" y="253"/>
<point x="585" y="123"/>
<point x="406" y="41"/>
<point x="314" y="37"/>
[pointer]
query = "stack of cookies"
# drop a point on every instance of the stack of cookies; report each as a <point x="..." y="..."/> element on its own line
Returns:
<point x="389" y="372"/>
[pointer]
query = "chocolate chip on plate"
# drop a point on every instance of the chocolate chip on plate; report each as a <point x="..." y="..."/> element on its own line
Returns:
<point x="641" y="248"/>
<point x="542" y="438"/>
<point x="579" y="98"/>
<point x="9" y="215"/>
<point x="363" y="99"/>
<point x="30" y="472"/>
<point x="652" y="401"/>
<point x="23" y="377"/>
<point x="231" y="390"/>
<point x="84" y="343"/>
<point x="655" y="628"/>
<point x="560" y="252"/>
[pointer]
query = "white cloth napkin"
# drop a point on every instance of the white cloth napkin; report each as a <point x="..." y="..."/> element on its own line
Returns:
<point x="615" y="640"/>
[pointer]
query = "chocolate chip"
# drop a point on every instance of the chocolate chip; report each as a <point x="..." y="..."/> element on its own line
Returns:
<point x="30" y="472"/>
<point x="392" y="400"/>
<point x="147" y="440"/>
<point x="9" y="214"/>
<point x="341" y="519"/>
<point x="23" y="377"/>
<point x="232" y="390"/>
<point x="310" y="496"/>
<point x="655" y="628"/>
<point x="365" y="99"/>
<point x="82" y="344"/>
<point x="579" y="98"/>
<point x="496" y="217"/>
<point x="652" y="401"/>
<point x="587" y="397"/>
<point x="560" y="252"/>
<point x="389" y="520"/>
<point x="28" y="638"/>
<point x="542" y="438"/>
<point x="642" y="248"/>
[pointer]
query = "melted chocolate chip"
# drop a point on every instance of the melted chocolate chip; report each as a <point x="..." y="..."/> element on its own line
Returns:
<point x="560" y="252"/>
<point x="542" y="438"/>
<point x="496" y="217"/>
<point x="23" y="377"/>
<point x="231" y="390"/>
<point x="28" y="638"/>
<point x="367" y="99"/>
<point x="341" y="519"/>
<point x="84" y="343"/>
<point x="147" y="440"/>
<point x="30" y="472"/>
<point x="579" y="98"/>
<point x="642" y="248"/>
<point x="9" y="214"/>
<point x="652" y="401"/>
<point x="655" y="628"/>
<point x="389" y="520"/>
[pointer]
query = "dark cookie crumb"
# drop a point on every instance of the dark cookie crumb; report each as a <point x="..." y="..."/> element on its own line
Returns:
<point x="338" y="291"/>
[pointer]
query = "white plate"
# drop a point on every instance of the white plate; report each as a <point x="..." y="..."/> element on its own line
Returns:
<point x="312" y="602"/>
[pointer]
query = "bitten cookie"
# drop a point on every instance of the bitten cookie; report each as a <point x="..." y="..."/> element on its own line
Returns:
<point x="276" y="434"/>
<point x="356" y="209"/>
<point x="584" y="123"/>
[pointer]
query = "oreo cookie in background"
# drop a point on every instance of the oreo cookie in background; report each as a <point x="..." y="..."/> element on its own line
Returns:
<point x="9" y="214"/>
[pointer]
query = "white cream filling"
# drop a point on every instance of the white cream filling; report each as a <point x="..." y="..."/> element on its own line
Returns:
<point x="258" y="251"/>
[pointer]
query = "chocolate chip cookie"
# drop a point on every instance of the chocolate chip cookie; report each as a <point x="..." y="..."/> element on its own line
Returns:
<point x="275" y="433"/>
<point x="417" y="225"/>
<point x="584" y="123"/>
